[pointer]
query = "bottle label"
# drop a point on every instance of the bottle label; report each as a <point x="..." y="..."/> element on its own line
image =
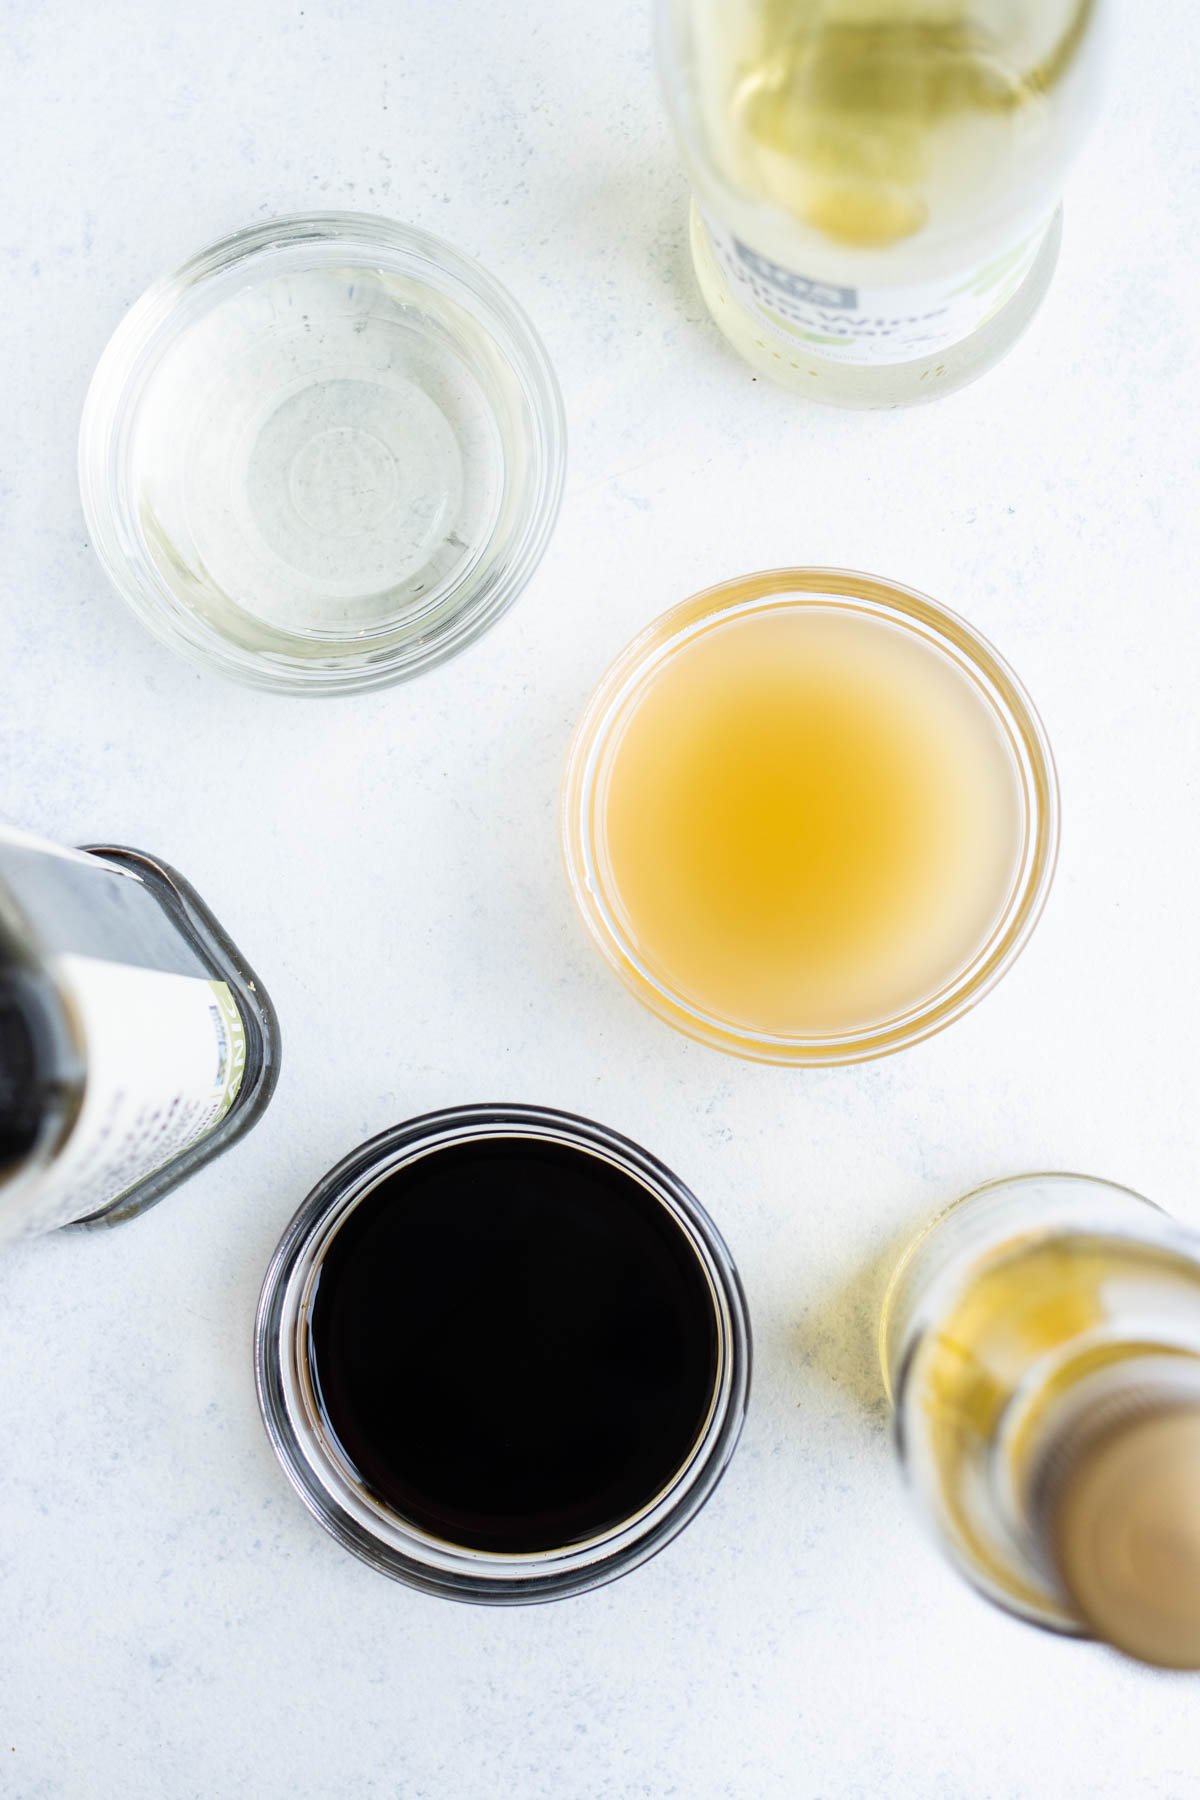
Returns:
<point x="165" y="1056"/>
<point x="868" y="325"/>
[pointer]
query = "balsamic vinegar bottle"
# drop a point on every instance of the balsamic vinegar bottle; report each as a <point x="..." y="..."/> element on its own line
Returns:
<point x="1041" y="1345"/>
<point x="135" y="1041"/>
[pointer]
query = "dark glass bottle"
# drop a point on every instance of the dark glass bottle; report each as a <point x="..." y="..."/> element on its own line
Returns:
<point x="135" y="1042"/>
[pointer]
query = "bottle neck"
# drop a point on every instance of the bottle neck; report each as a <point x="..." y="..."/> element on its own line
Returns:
<point x="1114" y="1504"/>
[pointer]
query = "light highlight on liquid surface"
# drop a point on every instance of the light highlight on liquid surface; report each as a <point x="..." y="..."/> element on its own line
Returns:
<point x="809" y="821"/>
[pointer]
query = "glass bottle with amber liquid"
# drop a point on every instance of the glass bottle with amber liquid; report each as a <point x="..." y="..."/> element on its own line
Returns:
<point x="1041" y="1346"/>
<point x="876" y="214"/>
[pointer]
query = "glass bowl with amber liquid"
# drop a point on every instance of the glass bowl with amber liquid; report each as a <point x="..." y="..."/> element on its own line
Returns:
<point x="810" y="816"/>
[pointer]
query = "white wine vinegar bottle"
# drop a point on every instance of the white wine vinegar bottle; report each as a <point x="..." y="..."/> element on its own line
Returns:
<point x="876" y="182"/>
<point x="1041" y="1346"/>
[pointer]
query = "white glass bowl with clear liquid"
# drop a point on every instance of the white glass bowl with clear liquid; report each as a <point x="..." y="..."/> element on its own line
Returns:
<point x="323" y="456"/>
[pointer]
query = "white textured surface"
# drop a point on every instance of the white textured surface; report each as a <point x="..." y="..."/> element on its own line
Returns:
<point x="173" y="1623"/>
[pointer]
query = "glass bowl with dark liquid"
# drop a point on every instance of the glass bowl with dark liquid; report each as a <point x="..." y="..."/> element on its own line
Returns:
<point x="503" y="1354"/>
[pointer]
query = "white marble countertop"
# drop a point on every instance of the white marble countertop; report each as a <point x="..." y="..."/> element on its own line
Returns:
<point x="174" y="1624"/>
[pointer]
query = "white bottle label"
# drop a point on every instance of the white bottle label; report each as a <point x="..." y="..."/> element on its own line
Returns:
<point x="867" y="325"/>
<point x="165" y="1056"/>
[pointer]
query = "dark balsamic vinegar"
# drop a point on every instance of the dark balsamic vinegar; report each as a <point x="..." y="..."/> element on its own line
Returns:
<point x="514" y="1343"/>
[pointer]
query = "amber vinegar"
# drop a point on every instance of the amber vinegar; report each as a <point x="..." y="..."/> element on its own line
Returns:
<point x="807" y="821"/>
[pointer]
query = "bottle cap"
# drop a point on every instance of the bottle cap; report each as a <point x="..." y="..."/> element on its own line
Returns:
<point x="1122" y="1512"/>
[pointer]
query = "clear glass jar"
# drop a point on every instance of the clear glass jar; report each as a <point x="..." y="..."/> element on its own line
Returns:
<point x="1040" y="1344"/>
<point x="324" y="455"/>
<point x="876" y="182"/>
<point x="136" y="1043"/>
<point x="985" y="690"/>
<point x="334" y="1492"/>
